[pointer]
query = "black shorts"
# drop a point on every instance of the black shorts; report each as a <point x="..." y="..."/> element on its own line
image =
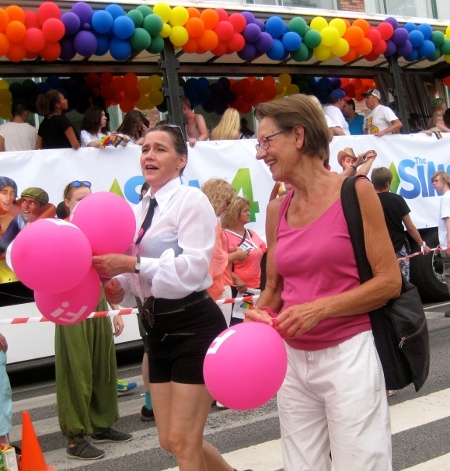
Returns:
<point x="179" y="342"/>
<point x="143" y="335"/>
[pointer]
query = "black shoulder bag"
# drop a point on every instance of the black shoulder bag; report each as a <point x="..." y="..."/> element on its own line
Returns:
<point x="400" y="326"/>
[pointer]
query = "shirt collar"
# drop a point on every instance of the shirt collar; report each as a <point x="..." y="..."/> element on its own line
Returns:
<point x="164" y="194"/>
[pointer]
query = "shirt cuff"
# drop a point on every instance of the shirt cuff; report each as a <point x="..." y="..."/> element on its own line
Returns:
<point x="149" y="267"/>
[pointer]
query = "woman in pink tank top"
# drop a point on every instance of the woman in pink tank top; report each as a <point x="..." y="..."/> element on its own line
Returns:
<point x="333" y="399"/>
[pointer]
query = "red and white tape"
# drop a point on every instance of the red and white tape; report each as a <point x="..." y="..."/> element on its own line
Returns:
<point x="419" y="253"/>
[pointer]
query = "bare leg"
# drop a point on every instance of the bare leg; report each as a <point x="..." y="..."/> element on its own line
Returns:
<point x="181" y="411"/>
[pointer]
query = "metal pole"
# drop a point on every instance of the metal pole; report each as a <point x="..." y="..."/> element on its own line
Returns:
<point x="399" y="92"/>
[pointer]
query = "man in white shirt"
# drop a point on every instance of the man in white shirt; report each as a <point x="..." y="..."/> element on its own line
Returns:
<point x="381" y="119"/>
<point x="334" y="109"/>
<point x="17" y="134"/>
<point x="441" y="183"/>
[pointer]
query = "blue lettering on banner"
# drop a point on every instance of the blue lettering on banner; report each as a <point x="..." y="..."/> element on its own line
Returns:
<point x="132" y="188"/>
<point x="421" y="185"/>
<point x="406" y="177"/>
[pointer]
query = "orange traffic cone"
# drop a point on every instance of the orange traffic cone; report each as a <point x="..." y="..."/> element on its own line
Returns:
<point x="32" y="458"/>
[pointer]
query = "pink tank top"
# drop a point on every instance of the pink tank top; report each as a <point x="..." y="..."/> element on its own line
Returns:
<point x="316" y="261"/>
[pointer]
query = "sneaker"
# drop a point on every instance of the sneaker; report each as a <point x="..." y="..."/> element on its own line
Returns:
<point x="391" y="392"/>
<point x="146" y="415"/>
<point x="123" y="386"/>
<point x="111" y="435"/>
<point x="219" y="405"/>
<point x="84" y="451"/>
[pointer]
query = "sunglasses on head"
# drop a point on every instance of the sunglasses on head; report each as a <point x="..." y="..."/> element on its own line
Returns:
<point x="78" y="183"/>
<point x="176" y="127"/>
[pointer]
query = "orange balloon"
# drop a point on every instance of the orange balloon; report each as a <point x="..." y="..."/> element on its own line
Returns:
<point x="363" y="24"/>
<point x="193" y="12"/>
<point x="15" y="13"/>
<point x="4" y="20"/>
<point x="16" y="52"/>
<point x="195" y="27"/>
<point x="354" y="35"/>
<point x="191" y="46"/>
<point x="4" y="44"/>
<point x="208" y="40"/>
<point x="15" y="31"/>
<point x="210" y="18"/>
<point x="364" y="47"/>
<point x="350" y="56"/>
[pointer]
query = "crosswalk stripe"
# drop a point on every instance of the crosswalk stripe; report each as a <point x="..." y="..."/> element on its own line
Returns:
<point x="442" y="463"/>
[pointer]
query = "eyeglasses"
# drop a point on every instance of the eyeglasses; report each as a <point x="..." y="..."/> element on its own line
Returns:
<point x="173" y="126"/>
<point x="78" y="183"/>
<point x="264" y="142"/>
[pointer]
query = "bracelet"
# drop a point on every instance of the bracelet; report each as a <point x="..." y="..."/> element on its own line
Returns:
<point x="267" y="309"/>
<point x="353" y="167"/>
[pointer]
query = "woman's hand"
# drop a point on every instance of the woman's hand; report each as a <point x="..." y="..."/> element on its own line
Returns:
<point x="240" y="285"/>
<point x="114" y="292"/>
<point x="238" y="254"/>
<point x="3" y="343"/>
<point x="296" y="320"/>
<point x="117" y="325"/>
<point x="258" y="315"/>
<point x="113" y="264"/>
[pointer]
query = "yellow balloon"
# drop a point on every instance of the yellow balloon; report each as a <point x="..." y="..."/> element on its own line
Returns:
<point x="340" y="25"/>
<point x="156" y="82"/>
<point x="165" y="32"/>
<point x="143" y="103"/>
<point x="329" y="35"/>
<point x="279" y="89"/>
<point x="156" y="97"/>
<point x="292" y="89"/>
<point x="5" y="111"/>
<point x="447" y="32"/>
<point x="318" y="23"/>
<point x="340" y="48"/>
<point x="4" y="85"/>
<point x="5" y="96"/>
<point x="163" y="10"/>
<point x="447" y="58"/>
<point x="322" y="53"/>
<point x="284" y="79"/>
<point x="179" y="36"/>
<point x="144" y="85"/>
<point x="178" y="16"/>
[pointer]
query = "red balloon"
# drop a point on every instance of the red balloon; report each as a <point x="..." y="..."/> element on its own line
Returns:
<point x="372" y="56"/>
<point x="48" y="10"/>
<point x="221" y="49"/>
<point x="357" y="83"/>
<point x="349" y="90"/>
<point x="386" y="30"/>
<point x="119" y="84"/>
<point x="238" y="21"/>
<point x="34" y="40"/>
<point x="53" y="29"/>
<point x="374" y="36"/>
<point x="191" y="46"/>
<point x="31" y="20"/>
<point x="132" y="94"/>
<point x="258" y="86"/>
<point x="92" y="79"/>
<point x="126" y="106"/>
<point x="108" y="92"/>
<point x="106" y="78"/>
<point x="131" y="79"/>
<point x="224" y="30"/>
<point x="236" y="43"/>
<point x="51" y="51"/>
<point x="446" y="81"/>
<point x="223" y="15"/>
<point x="380" y="47"/>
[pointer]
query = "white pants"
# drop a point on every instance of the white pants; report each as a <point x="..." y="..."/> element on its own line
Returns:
<point x="335" y="400"/>
<point x="226" y="308"/>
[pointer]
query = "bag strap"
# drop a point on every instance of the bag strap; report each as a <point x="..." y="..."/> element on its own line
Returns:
<point x="352" y="214"/>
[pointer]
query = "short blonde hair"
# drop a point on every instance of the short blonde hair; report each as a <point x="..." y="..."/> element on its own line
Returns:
<point x="218" y="192"/>
<point x="444" y="176"/>
<point x="228" y="127"/>
<point x="231" y="215"/>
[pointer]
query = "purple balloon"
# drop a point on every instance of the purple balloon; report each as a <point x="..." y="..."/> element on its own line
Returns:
<point x="392" y="21"/>
<point x="391" y="48"/>
<point x="251" y="33"/>
<point x="85" y="43"/>
<point x="404" y="49"/>
<point x="249" y="17"/>
<point x="400" y="36"/>
<point x="84" y="11"/>
<point x="67" y="50"/>
<point x="71" y="22"/>
<point x="248" y="53"/>
<point x="261" y="24"/>
<point x="264" y="43"/>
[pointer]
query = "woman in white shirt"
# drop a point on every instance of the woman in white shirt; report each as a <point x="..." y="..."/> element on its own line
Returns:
<point x="93" y="127"/>
<point x="167" y="271"/>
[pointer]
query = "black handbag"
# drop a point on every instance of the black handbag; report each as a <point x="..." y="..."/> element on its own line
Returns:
<point x="399" y="327"/>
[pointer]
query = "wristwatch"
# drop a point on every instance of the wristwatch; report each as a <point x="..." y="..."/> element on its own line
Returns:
<point x="137" y="267"/>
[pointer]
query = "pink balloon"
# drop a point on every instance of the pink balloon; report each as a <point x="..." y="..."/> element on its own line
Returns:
<point x="72" y="306"/>
<point x="245" y="365"/>
<point x="107" y="220"/>
<point x="51" y="255"/>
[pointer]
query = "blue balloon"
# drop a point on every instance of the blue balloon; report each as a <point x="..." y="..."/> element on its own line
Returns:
<point x="416" y="38"/>
<point x="413" y="56"/>
<point x="102" y="44"/>
<point x="102" y="21"/>
<point x="427" y="49"/>
<point x="410" y="26"/>
<point x="115" y="10"/>
<point x="291" y="41"/>
<point x="203" y="83"/>
<point x="123" y="27"/>
<point x="191" y="84"/>
<point x="54" y="81"/>
<point x="85" y="43"/>
<point x="42" y="87"/>
<point x="275" y="26"/>
<point x="120" y="50"/>
<point x="205" y="94"/>
<point x="277" y="51"/>
<point x="426" y="30"/>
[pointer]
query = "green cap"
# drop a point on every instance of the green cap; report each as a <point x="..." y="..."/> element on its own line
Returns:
<point x="36" y="193"/>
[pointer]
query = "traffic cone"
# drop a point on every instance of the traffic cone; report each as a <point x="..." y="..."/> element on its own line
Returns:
<point x="32" y="458"/>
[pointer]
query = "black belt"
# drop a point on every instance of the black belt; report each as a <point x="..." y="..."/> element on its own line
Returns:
<point x="155" y="306"/>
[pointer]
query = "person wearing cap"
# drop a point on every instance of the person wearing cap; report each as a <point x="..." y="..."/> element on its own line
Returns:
<point x="354" y="120"/>
<point x="350" y="162"/>
<point x="381" y="119"/>
<point x="35" y="205"/>
<point x="334" y="110"/>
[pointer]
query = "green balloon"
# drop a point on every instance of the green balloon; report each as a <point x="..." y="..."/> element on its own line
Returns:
<point x="153" y="24"/>
<point x="162" y="108"/>
<point x="301" y="53"/>
<point x="137" y="17"/>
<point x="298" y="25"/>
<point x="140" y="39"/>
<point x="435" y="56"/>
<point x="312" y="38"/>
<point x="157" y="45"/>
<point x="445" y="48"/>
<point x="145" y="10"/>
<point x="438" y="38"/>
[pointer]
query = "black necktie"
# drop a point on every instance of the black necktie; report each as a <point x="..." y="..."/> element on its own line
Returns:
<point x="147" y="221"/>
